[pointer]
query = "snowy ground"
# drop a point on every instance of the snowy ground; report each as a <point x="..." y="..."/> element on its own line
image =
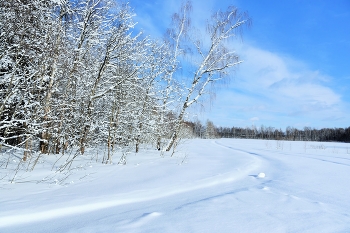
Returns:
<point x="225" y="185"/>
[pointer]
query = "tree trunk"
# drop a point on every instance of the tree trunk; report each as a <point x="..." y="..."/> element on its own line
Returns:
<point x="171" y="141"/>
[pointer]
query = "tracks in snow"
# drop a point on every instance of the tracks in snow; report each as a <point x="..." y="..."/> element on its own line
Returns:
<point x="250" y="165"/>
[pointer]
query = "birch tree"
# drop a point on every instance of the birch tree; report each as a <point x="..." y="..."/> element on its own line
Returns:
<point x="215" y="58"/>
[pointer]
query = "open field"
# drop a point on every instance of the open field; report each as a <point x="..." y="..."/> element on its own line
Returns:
<point x="223" y="185"/>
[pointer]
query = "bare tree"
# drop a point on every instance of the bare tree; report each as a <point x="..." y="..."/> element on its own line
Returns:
<point x="215" y="58"/>
<point x="210" y="131"/>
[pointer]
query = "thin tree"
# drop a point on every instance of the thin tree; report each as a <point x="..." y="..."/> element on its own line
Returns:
<point x="215" y="58"/>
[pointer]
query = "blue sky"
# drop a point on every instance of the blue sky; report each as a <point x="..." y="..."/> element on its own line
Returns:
<point x="296" y="69"/>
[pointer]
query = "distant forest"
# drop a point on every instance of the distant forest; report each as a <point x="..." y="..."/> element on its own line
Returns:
<point x="209" y="130"/>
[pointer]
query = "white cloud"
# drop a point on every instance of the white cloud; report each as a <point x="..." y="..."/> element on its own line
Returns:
<point x="282" y="91"/>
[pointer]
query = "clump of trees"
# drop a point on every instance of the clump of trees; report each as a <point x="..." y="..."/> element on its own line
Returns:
<point x="75" y="74"/>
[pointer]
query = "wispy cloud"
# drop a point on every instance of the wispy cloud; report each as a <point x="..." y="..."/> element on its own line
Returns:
<point x="279" y="91"/>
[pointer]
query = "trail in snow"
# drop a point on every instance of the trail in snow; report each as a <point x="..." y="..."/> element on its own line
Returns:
<point x="115" y="199"/>
<point x="126" y="198"/>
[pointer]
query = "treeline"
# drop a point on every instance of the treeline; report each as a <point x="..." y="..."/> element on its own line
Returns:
<point x="209" y="130"/>
<point x="76" y="74"/>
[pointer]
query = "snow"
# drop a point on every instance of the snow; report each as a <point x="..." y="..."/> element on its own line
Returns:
<point x="216" y="185"/>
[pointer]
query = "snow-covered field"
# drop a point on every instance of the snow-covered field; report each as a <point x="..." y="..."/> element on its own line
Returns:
<point x="219" y="185"/>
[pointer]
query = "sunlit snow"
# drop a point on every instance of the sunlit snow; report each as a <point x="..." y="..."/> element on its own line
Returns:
<point x="218" y="185"/>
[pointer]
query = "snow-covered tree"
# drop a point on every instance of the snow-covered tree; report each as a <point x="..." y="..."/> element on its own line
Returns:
<point x="29" y="47"/>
